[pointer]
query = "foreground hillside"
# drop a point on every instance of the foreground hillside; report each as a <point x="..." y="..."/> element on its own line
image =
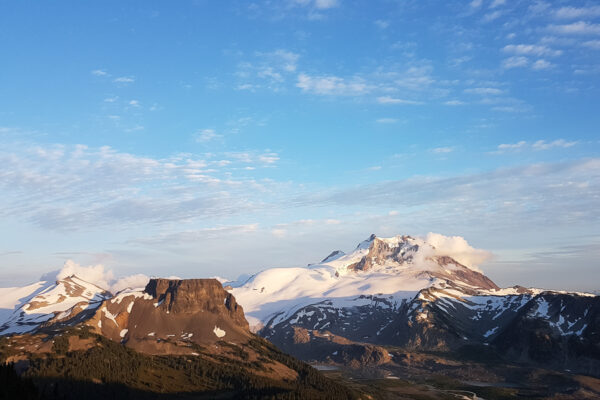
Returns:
<point x="182" y="338"/>
<point x="81" y="365"/>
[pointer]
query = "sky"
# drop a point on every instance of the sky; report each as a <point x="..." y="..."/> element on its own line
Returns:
<point x="203" y="138"/>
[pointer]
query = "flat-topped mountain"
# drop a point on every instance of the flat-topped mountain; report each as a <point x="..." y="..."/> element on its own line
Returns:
<point x="170" y="313"/>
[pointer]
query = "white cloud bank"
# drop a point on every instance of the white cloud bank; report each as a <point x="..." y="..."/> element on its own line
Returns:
<point x="101" y="277"/>
<point x="95" y="274"/>
<point x="459" y="249"/>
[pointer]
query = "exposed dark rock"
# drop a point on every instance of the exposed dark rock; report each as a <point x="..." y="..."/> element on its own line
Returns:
<point x="171" y="315"/>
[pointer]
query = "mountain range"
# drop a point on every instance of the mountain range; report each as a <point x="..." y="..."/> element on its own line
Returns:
<point x="403" y="291"/>
<point x="349" y="309"/>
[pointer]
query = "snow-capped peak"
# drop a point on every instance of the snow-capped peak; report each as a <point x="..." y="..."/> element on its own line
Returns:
<point x="398" y="266"/>
<point x="333" y="256"/>
<point x="47" y="301"/>
<point x="436" y="253"/>
<point x="366" y="243"/>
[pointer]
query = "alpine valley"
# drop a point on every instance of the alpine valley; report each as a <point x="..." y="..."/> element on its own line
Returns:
<point x="399" y="317"/>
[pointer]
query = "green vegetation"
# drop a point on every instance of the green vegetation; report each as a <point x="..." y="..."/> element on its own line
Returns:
<point x="109" y="370"/>
<point x="487" y="392"/>
<point x="61" y="344"/>
<point x="12" y="386"/>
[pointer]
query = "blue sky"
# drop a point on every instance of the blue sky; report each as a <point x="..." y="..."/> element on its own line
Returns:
<point x="217" y="138"/>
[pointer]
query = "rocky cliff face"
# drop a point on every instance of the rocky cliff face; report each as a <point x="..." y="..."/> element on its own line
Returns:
<point x="170" y="316"/>
<point x="557" y="330"/>
<point x="195" y="295"/>
<point x="402" y="252"/>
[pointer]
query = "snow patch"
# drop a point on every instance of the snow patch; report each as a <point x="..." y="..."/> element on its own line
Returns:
<point x="219" y="332"/>
<point x="490" y="332"/>
<point x="110" y="316"/>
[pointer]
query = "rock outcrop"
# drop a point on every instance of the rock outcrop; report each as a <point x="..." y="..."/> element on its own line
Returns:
<point x="171" y="316"/>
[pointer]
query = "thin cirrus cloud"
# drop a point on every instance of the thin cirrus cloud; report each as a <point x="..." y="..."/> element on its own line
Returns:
<point x="484" y="91"/>
<point x="332" y="85"/>
<point x="326" y="4"/>
<point x="560" y="143"/>
<point x="577" y="12"/>
<point x="541" y="65"/>
<point x="515" y="62"/>
<point x="124" y="79"/>
<point x="206" y="135"/>
<point x="522" y="62"/>
<point x="531" y="50"/>
<point x="593" y="44"/>
<point x="454" y="103"/>
<point x="395" y="100"/>
<point x="318" y="4"/>
<point x="500" y="197"/>
<point x="442" y="150"/>
<point x="537" y="145"/>
<point x="475" y="3"/>
<point x="267" y="70"/>
<point x="386" y="120"/>
<point x="77" y="187"/>
<point x="99" y="72"/>
<point x="576" y="28"/>
<point x="497" y="3"/>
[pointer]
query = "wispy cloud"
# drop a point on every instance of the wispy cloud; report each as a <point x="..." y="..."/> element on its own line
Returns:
<point x="268" y="158"/>
<point x="512" y="109"/>
<point x="475" y="3"/>
<point x="501" y="197"/>
<point x="442" y="150"/>
<point x="76" y="187"/>
<point x="454" y="103"/>
<point x="541" y="65"/>
<point x="394" y="100"/>
<point x="576" y="28"/>
<point x="577" y="12"/>
<point x="332" y="85"/>
<point x="386" y="120"/>
<point x="206" y="135"/>
<point x="497" y="3"/>
<point x="124" y="79"/>
<point x="524" y="62"/>
<point x="491" y="16"/>
<point x="593" y="44"/>
<point x="512" y="146"/>
<point x="326" y="4"/>
<point x="484" y="91"/>
<point x="99" y="72"/>
<point x="515" y="62"/>
<point x="537" y="145"/>
<point x="381" y="24"/>
<point x="531" y="50"/>
<point x="185" y="238"/>
<point x="561" y="143"/>
<point x="267" y="70"/>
